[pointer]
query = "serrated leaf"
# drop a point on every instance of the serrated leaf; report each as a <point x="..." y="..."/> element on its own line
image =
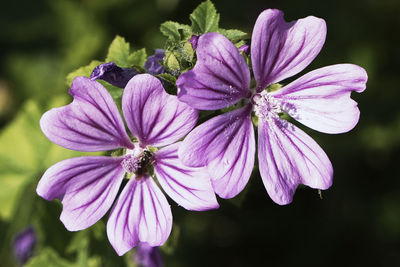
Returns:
<point x="204" y="18"/>
<point x="172" y="30"/>
<point x="48" y="257"/>
<point x="137" y="58"/>
<point x="82" y="71"/>
<point x="118" y="52"/>
<point x="233" y="34"/>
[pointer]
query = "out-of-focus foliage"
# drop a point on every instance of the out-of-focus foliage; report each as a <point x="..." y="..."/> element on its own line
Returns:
<point x="356" y="223"/>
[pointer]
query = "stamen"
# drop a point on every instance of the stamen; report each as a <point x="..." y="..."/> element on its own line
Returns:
<point x="137" y="161"/>
<point x="131" y="163"/>
<point x="266" y="107"/>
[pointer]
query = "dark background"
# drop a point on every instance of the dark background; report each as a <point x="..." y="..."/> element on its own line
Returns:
<point x="357" y="223"/>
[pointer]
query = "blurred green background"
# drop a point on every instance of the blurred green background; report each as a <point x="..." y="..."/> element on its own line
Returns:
<point x="357" y="223"/>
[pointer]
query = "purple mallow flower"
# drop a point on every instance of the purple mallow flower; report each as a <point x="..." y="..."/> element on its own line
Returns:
<point x="87" y="186"/>
<point x="24" y="244"/>
<point x="245" y="49"/>
<point x="193" y="41"/>
<point x="153" y="65"/>
<point x="113" y="74"/>
<point x="147" y="256"/>
<point x="287" y="156"/>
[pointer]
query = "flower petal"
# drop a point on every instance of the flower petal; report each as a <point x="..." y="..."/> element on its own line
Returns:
<point x="153" y="116"/>
<point x="280" y="50"/>
<point x="321" y="98"/>
<point x="289" y="157"/>
<point x="148" y="256"/>
<point x="226" y="144"/>
<point x="24" y="244"/>
<point x="86" y="186"/>
<point x="113" y="74"/>
<point x="90" y="123"/>
<point x="141" y="214"/>
<point x="190" y="187"/>
<point x="152" y="64"/>
<point x="220" y="77"/>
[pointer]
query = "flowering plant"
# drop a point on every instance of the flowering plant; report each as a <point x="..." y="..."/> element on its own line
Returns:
<point x="204" y="76"/>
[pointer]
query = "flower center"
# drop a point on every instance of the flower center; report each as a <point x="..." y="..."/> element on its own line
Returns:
<point x="131" y="163"/>
<point x="137" y="161"/>
<point x="266" y="107"/>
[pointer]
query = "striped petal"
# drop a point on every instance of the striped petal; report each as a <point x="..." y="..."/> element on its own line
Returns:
<point x="141" y="214"/>
<point x="280" y="50"/>
<point x="289" y="157"/>
<point x="321" y="98"/>
<point x="90" y="123"/>
<point x="190" y="187"/>
<point x="86" y="186"/>
<point x="226" y="145"/>
<point x="153" y="116"/>
<point x="220" y="77"/>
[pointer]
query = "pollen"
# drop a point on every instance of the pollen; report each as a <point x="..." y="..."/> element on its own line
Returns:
<point x="266" y="107"/>
<point x="131" y="163"/>
<point x="137" y="161"/>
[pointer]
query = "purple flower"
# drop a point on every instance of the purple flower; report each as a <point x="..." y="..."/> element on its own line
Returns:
<point x="193" y="41"/>
<point x="87" y="186"/>
<point x="24" y="244"/>
<point x="153" y="65"/>
<point x="148" y="256"/>
<point x="244" y="49"/>
<point x="113" y="74"/>
<point x="287" y="156"/>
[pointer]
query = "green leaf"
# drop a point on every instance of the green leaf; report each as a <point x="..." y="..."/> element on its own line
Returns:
<point x="172" y="30"/>
<point x="204" y="18"/>
<point x="79" y="245"/>
<point x="167" y="77"/>
<point x="138" y="58"/>
<point x="171" y="62"/>
<point x="48" y="257"/>
<point x="11" y="186"/>
<point x="82" y="71"/>
<point x="172" y="242"/>
<point x="170" y="86"/>
<point x="25" y="154"/>
<point x="187" y="51"/>
<point x="114" y="91"/>
<point x="240" y="43"/>
<point x="22" y="146"/>
<point x="118" y="52"/>
<point x="233" y="34"/>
